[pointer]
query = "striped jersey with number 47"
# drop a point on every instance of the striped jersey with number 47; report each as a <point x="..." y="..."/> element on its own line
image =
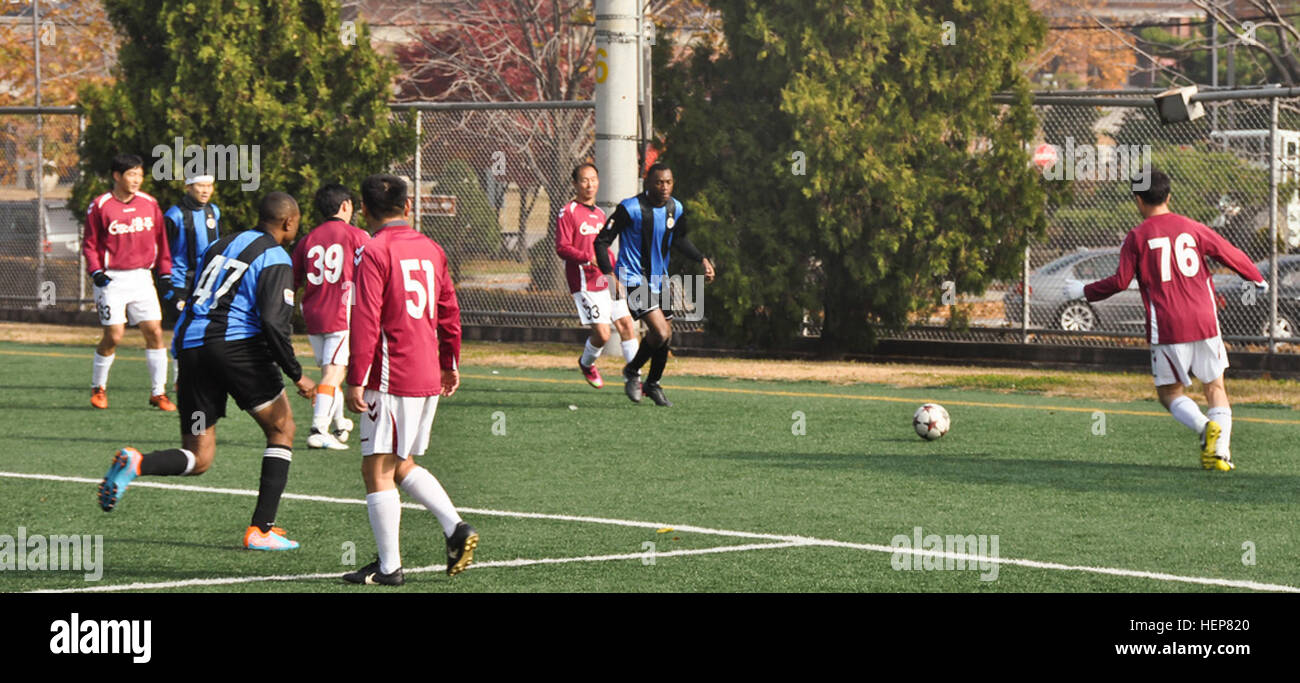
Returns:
<point x="1167" y="255"/>
<point x="323" y="262"/>
<point x="406" y="320"/>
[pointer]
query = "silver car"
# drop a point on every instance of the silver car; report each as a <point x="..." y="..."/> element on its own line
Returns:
<point x="1049" y="307"/>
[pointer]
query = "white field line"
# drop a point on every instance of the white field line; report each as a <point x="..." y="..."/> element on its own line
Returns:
<point x="788" y="540"/>
<point x="521" y="562"/>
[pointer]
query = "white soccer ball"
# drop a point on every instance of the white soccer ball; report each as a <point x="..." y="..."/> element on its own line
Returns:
<point x="931" y="421"/>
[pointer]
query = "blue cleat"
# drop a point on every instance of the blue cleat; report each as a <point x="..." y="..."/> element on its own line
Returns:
<point x="125" y="468"/>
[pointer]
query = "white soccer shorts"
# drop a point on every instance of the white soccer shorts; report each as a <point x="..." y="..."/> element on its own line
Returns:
<point x="330" y="348"/>
<point x="1206" y="359"/>
<point x="129" y="298"/>
<point x="598" y="307"/>
<point x="396" y="424"/>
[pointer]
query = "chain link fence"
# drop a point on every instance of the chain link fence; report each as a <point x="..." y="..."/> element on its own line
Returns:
<point x="1224" y="168"/>
<point x="40" y="237"/>
<point x="491" y="177"/>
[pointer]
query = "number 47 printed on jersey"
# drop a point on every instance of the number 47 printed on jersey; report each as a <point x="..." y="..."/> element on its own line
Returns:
<point x="203" y="293"/>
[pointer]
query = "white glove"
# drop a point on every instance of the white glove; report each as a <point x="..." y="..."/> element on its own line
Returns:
<point x="1073" y="289"/>
<point x="1262" y="286"/>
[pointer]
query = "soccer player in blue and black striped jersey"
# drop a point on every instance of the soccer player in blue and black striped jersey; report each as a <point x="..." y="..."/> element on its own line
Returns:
<point x="647" y="227"/>
<point x="233" y="339"/>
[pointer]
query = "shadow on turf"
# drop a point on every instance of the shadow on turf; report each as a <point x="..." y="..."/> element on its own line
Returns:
<point x="1167" y="481"/>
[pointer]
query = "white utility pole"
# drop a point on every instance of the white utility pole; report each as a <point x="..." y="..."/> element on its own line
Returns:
<point x="617" y="64"/>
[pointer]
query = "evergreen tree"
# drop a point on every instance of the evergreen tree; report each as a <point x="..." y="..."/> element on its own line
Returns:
<point x="844" y="156"/>
<point x="285" y="75"/>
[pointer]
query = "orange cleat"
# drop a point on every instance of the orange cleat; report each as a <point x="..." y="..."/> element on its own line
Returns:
<point x="99" y="398"/>
<point x="162" y="403"/>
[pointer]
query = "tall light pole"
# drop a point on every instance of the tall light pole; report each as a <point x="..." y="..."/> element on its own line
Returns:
<point x="617" y="64"/>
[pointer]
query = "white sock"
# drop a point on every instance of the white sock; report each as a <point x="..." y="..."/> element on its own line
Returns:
<point x="99" y="373"/>
<point x="590" y="354"/>
<point x="156" y="359"/>
<point x="385" y="508"/>
<point x="322" y="409"/>
<point x="426" y="490"/>
<point x="1187" y="412"/>
<point x="189" y="462"/>
<point x="630" y="347"/>
<point x="338" y="416"/>
<point x="1223" y="416"/>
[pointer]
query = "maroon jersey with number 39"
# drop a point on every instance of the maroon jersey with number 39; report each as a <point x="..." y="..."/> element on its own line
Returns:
<point x="324" y="261"/>
<point x="406" y="322"/>
<point x="1167" y="255"/>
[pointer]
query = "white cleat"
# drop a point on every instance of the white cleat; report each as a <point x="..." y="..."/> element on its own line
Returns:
<point x="319" y="440"/>
<point x="343" y="429"/>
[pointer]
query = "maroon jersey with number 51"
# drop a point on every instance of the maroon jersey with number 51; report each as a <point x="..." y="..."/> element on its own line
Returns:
<point x="406" y="321"/>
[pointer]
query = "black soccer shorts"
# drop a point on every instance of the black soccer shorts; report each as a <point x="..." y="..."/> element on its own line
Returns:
<point x="242" y="370"/>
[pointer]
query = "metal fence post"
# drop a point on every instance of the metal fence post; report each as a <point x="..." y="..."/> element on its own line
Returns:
<point x="1024" y="298"/>
<point x="1274" y="173"/>
<point x="419" y="138"/>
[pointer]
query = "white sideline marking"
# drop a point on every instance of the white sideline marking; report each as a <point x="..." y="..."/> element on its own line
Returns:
<point x="521" y="562"/>
<point x="782" y="540"/>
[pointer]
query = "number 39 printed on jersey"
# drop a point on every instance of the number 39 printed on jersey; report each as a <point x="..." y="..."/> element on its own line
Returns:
<point x="328" y="265"/>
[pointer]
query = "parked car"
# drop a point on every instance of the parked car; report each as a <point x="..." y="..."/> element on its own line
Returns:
<point x="1049" y="307"/>
<point x="1243" y="311"/>
<point x="19" y="235"/>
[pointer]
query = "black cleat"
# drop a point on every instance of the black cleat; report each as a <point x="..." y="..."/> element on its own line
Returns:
<point x="460" y="548"/>
<point x="632" y="385"/>
<point x="371" y="576"/>
<point x="656" y="394"/>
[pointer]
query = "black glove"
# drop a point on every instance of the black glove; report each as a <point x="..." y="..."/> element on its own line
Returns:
<point x="165" y="289"/>
<point x="182" y="296"/>
<point x="101" y="278"/>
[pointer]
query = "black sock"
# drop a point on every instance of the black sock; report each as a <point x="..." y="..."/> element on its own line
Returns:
<point x="643" y="353"/>
<point x="275" y="474"/>
<point x="657" y="363"/>
<point x="169" y="463"/>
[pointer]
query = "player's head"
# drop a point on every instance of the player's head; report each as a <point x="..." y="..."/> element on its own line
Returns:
<point x="278" y="217"/>
<point x="334" y="200"/>
<point x="659" y="183"/>
<point x="586" y="181"/>
<point x="383" y="198"/>
<point x="1156" y="193"/>
<point x="127" y="171"/>
<point x="199" y="187"/>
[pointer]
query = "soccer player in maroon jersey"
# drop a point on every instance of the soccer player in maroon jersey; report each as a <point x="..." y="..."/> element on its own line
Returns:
<point x="1166" y="253"/>
<point x="125" y="238"/>
<point x="576" y="229"/>
<point x="323" y="263"/>
<point x="405" y="348"/>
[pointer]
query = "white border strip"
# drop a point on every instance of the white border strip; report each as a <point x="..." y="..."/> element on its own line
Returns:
<point x="778" y="541"/>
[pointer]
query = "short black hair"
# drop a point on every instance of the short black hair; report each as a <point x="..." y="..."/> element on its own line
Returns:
<point x="124" y="162"/>
<point x="276" y="207"/>
<point x="658" y="167"/>
<point x="1157" y="192"/>
<point x="329" y="198"/>
<point x="384" y="195"/>
<point x="578" y="169"/>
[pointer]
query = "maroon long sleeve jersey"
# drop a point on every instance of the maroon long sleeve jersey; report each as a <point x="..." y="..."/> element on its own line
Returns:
<point x="405" y="327"/>
<point x="1166" y="253"/>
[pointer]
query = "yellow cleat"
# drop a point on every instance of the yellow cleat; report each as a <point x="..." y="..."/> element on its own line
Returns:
<point x="1209" y="439"/>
